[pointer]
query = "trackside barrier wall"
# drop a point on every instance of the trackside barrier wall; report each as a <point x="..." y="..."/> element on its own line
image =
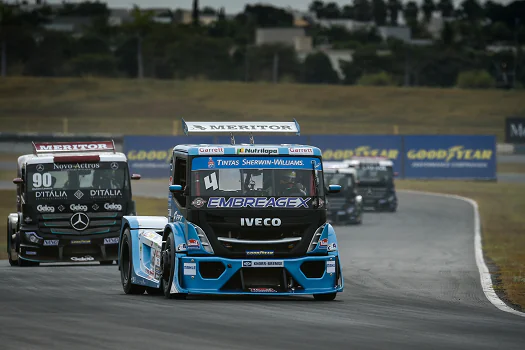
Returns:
<point x="414" y="156"/>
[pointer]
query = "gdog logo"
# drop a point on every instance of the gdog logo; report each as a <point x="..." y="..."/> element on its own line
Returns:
<point x="112" y="206"/>
<point x="78" y="207"/>
<point x="45" y="209"/>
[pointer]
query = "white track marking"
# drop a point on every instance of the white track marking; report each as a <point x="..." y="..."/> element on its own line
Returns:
<point x="486" y="279"/>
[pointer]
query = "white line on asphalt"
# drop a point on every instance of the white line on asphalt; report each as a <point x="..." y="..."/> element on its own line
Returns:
<point x="485" y="278"/>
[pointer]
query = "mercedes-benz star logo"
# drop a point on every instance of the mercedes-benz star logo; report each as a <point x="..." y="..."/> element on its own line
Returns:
<point x="114" y="166"/>
<point x="369" y="191"/>
<point x="40" y="167"/>
<point x="79" y="221"/>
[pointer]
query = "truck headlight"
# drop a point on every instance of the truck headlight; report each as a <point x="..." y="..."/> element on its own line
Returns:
<point x="204" y="239"/>
<point x="391" y="198"/>
<point x="358" y="199"/>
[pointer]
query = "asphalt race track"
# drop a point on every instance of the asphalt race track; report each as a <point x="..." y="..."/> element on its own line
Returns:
<point x="411" y="282"/>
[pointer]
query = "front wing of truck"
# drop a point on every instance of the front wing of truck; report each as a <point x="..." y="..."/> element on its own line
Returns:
<point x="210" y="274"/>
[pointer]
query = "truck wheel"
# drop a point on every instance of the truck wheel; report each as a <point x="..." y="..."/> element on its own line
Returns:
<point x="167" y="265"/>
<point x="325" y="297"/>
<point x="11" y="246"/>
<point x="126" y="264"/>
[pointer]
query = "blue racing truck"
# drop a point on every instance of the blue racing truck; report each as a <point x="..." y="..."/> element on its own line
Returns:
<point x="242" y="219"/>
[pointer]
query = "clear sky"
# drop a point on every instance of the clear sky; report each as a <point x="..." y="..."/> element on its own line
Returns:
<point x="231" y="6"/>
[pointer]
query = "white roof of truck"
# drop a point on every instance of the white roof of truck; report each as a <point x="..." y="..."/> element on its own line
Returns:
<point x="355" y="161"/>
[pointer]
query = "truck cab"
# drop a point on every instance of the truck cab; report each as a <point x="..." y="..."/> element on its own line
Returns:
<point x="376" y="182"/>
<point x="71" y="197"/>
<point x="242" y="219"/>
<point x="345" y="207"/>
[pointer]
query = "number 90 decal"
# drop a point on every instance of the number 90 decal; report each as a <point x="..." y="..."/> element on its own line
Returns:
<point x="44" y="180"/>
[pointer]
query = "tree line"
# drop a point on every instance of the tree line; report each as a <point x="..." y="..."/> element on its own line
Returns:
<point x="225" y="50"/>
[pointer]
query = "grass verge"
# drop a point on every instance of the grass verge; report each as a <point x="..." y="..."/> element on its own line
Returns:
<point x="501" y="207"/>
<point x="511" y="168"/>
<point x="155" y="106"/>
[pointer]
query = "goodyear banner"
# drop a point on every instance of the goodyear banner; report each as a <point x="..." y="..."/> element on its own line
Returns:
<point x="340" y="147"/>
<point x="149" y="156"/>
<point x="450" y="156"/>
<point x="425" y="156"/>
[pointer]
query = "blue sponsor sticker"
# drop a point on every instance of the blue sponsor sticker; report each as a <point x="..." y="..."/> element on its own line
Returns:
<point x="202" y="163"/>
<point x="50" y="242"/>
<point x="258" y="202"/>
<point x="111" y="240"/>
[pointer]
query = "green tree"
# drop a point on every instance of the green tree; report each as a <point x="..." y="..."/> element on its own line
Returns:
<point x="140" y="27"/>
<point x="379" y="12"/>
<point x="446" y="7"/>
<point x="362" y="10"/>
<point x="394" y="7"/>
<point x="195" y="13"/>
<point x="317" y="69"/>
<point x="347" y="12"/>
<point x="411" y="12"/>
<point x="428" y="7"/>
<point x="471" y="10"/>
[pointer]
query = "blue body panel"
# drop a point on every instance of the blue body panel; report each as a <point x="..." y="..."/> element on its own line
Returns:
<point x="194" y="283"/>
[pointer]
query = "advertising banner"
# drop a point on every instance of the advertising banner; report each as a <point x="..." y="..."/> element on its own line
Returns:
<point x="149" y="156"/>
<point x="418" y="156"/>
<point x="515" y="130"/>
<point x="341" y="147"/>
<point x="450" y="156"/>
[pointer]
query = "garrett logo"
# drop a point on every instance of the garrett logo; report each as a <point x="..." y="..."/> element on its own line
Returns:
<point x="211" y="150"/>
<point x="260" y="222"/>
<point x="78" y="207"/>
<point x="301" y="150"/>
<point x="45" y="209"/>
<point x="112" y="206"/>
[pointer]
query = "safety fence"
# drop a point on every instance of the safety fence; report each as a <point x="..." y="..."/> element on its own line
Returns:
<point x="414" y="156"/>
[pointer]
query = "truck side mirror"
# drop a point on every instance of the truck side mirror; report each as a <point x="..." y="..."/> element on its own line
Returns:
<point x="136" y="177"/>
<point x="175" y="188"/>
<point x="334" y="188"/>
<point x="18" y="181"/>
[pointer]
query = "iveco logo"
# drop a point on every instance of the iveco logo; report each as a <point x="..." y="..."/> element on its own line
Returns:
<point x="79" y="221"/>
<point x="260" y="222"/>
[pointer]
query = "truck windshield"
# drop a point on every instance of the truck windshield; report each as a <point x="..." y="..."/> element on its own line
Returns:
<point x="221" y="179"/>
<point x="374" y="173"/>
<point x="77" y="176"/>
